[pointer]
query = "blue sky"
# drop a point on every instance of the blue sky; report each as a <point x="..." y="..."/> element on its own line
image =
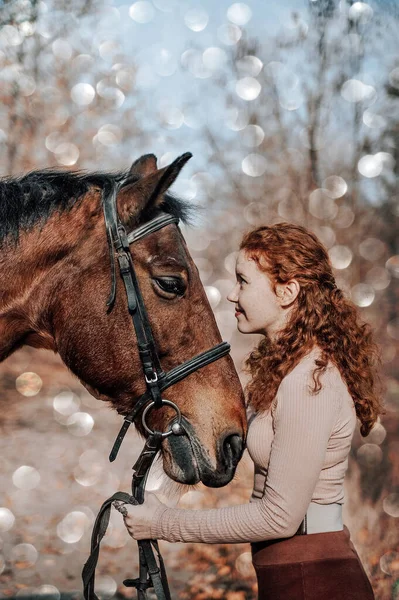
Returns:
<point x="167" y="30"/>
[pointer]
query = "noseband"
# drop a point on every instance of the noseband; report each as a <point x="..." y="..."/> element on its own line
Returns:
<point x="152" y="574"/>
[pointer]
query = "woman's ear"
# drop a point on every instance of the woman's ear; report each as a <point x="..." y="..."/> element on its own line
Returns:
<point x="287" y="292"/>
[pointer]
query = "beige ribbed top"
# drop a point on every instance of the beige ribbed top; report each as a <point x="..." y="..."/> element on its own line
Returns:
<point x="300" y="450"/>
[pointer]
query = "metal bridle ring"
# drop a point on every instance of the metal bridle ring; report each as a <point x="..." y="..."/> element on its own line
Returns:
<point x="169" y="403"/>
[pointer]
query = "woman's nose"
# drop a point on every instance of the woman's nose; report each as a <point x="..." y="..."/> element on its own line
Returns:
<point x="232" y="296"/>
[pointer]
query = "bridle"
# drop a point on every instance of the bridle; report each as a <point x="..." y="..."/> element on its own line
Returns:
<point x="152" y="574"/>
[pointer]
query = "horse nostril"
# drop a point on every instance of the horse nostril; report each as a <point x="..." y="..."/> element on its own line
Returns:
<point x="233" y="446"/>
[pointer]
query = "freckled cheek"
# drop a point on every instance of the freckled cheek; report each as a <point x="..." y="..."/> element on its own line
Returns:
<point x="250" y="309"/>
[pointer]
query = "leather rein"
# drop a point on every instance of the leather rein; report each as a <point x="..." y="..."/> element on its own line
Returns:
<point x="152" y="573"/>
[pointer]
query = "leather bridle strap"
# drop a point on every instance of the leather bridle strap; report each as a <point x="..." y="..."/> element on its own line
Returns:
<point x="155" y="224"/>
<point x="170" y="378"/>
<point x="118" y="240"/>
<point x="151" y="572"/>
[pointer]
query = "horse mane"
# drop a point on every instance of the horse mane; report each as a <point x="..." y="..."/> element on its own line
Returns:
<point x="29" y="200"/>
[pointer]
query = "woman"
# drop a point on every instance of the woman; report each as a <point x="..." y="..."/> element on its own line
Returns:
<point x="312" y="373"/>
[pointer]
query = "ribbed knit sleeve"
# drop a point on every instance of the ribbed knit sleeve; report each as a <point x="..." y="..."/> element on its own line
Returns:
<point x="303" y="425"/>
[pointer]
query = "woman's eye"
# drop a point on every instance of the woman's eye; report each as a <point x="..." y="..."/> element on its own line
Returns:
<point x="171" y="285"/>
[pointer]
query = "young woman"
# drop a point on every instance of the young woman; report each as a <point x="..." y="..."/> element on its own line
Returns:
<point x="313" y="373"/>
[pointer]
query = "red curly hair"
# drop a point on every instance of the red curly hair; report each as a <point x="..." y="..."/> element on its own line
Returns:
<point x="322" y="316"/>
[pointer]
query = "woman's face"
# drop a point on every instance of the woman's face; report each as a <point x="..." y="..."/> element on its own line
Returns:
<point x="258" y="308"/>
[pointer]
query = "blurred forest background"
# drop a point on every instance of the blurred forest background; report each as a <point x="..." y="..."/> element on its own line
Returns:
<point x="297" y="121"/>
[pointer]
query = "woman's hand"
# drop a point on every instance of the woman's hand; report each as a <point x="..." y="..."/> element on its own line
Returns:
<point x="138" y="518"/>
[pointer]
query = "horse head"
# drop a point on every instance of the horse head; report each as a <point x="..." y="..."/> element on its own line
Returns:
<point x="57" y="279"/>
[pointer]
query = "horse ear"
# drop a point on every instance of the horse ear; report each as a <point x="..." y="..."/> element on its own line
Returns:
<point x="144" y="165"/>
<point x="147" y="192"/>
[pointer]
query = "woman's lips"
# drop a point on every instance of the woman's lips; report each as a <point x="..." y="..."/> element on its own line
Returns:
<point x="238" y="312"/>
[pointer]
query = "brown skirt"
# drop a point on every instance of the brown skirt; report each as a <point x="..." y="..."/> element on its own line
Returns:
<point x="317" y="566"/>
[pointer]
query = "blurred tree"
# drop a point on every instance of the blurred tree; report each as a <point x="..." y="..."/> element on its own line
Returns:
<point x="299" y="135"/>
<point x="63" y="87"/>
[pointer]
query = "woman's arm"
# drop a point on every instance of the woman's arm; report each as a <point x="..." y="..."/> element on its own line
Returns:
<point x="303" y="425"/>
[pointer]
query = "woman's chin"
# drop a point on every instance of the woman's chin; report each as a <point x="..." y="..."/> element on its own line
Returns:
<point x="246" y="328"/>
<point x="243" y="327"/>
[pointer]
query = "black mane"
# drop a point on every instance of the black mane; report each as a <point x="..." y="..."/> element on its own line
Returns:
<point x="30" y="199"/>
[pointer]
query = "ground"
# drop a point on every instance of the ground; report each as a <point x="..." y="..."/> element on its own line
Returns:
<point x="55" y="475"/>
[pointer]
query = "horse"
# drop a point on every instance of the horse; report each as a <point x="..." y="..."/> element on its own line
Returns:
<point x="55" y="277"/>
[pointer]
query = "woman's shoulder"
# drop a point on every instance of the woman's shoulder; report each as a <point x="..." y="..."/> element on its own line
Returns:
<point x="303" y="373"/>
<point x="307" y="364"/>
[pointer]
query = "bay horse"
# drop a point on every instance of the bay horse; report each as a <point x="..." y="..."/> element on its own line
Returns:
<point x="55" y="277"/>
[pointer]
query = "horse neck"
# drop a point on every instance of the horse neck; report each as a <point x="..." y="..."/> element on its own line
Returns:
<point x="20" y="275"/>
<point x="24" y="265"/>
<point x="30" y="269"/>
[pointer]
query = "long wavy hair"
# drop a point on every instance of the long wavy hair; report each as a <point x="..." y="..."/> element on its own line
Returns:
<point x="321" y="316"/>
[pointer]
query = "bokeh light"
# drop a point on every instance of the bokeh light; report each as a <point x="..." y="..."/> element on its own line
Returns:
<point x="229" y="34"/>
<point x="239" y="13"/>
<point x="377" y="434"/>
<point x="80" y="424"/>
<point x="378" y="277"/>
<point x="321" y="205"/>
<point x="196" y="19"/>
<point x="372" y="249"/>
<point x="340" y="256"/>
<point x="23" y="556"/>
<point x="335" y="186"/>
<point x="28" y="384"/>
<point x="249" y="65"/>
<point x="142" y="12"/>
<point x="244" y="564"/>
<point x="361" y="12"/>
<point x="391" y="505"/>
<point x="7" y="519"/>
<point x="252" y="136"/>
<point x="389" y="563"/>
<point x="213" y="295"/>
<point x="26" y="478"/>
<point x="47" y="591"/>
<point x="236" y="119"/>
<point x="66" y="403"/>
<point x="355" y="90"/>
<point x="392" y="265"/>
<point x="372" y="165"/>
<point x="214" y="58"/>
<point x="83" y="94"/>
<point x="369" y="455"/>
<point x="106" y="587"/>
<point x="248" y="88"/>
<point x="362" y="294"/>
<point x="67" y="154"/>
<point x="73" y="526"/>
<point x="344" y="217"/>
<point x="254" y="165"/>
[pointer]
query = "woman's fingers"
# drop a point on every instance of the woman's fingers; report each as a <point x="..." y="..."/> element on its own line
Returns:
<point x="121" y="507"/>
<point x="138" y="518"/>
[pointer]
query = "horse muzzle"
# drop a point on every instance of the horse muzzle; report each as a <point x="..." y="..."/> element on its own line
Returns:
<point x="187" y="461"/>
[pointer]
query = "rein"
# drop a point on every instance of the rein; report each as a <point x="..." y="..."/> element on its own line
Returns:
<point x="152" y="573"/>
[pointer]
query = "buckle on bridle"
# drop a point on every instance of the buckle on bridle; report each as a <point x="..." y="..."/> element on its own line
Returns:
<point x="153" y="378"/>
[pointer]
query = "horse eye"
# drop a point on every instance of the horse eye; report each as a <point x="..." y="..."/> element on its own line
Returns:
<point x="171" y="285"/>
